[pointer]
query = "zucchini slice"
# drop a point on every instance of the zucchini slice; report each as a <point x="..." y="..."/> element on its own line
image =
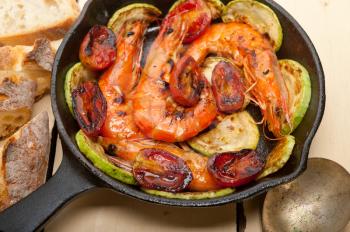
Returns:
<point x="298" y="84"/>
<point x="95" y="153"/>
<point x="235" y="132"/>
<point x="279" y="156"/>
<point x="258" y="15"/>
<point x="191" y="195"/>
<point x="133" y="12"/>
<point x="76" y="75"/>
<point x="208" y="67"/>
<point x="216" y="7"/>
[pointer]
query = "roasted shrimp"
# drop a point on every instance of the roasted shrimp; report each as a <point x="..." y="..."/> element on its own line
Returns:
<point x="121" y="78"/>
<point x="263" y="78"/>
<point x="156" y="112"/>
<point x="129" y="149"/>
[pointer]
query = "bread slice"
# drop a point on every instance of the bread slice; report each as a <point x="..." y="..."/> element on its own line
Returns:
<point x="4" y="196"/>
<point x="23" y="21"/>
<point x="16" y="101"/>
<point x="33" y="62"/>
<point x="24" y="161"/>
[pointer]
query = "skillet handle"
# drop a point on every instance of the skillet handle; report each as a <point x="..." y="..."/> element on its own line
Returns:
<point x="32" y="212"/>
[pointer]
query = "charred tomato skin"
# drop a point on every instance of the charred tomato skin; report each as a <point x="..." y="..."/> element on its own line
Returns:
<point x="90" y="107"/>
<point x="199" y="15"/>
<point x="98" y="49"/>
<point x="158" y="169"/>
<point x="228" y="88"/>
<point x="235" y="169"/>
<point x="186" y="82"/>
<point x="198" y="27"/>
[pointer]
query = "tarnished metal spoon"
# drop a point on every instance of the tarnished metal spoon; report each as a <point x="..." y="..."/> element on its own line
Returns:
<point x="318" y="200"/>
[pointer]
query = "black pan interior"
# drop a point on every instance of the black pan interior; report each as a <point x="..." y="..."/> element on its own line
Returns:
<point x="296" y="45"/>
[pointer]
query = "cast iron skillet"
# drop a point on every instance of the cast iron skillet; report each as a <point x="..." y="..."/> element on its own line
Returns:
<point x="72" y="179"/>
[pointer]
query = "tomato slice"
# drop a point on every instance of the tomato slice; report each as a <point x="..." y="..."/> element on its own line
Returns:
<point x="235" y="169"/>
<point x="198" y="26"/>
<point x="186" y="82"/>
<point x="197" y="13"/>
<point x="98" y="49"/>
<point x="161" y="170"/>
<point x="228" y="88"/>
<point x="90" y="107"/>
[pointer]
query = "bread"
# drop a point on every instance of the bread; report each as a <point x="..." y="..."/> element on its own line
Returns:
<point x="24" y="161"/>
<point x="42" y="54"/>
<point x="33" y="62"/>
<point x="23" y="21"/>
<point x="16" y="101"/>
<point x="4" y="196"/>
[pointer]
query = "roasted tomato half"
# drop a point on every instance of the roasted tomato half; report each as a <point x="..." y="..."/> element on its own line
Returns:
<point x="161" y="170"/>
<point x="98" y="49"/>
<point x="228" y="88"/>
<point x="197" y="13"/>
<point x="235" y="169"/>
<point x="186" y="82"/>
<point x="90" y="107"/>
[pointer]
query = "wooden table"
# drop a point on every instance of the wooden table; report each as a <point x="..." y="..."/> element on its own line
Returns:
<point x="327" y="23"/>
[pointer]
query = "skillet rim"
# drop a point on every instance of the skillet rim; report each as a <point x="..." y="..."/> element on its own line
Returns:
<point x="257" y="189"/>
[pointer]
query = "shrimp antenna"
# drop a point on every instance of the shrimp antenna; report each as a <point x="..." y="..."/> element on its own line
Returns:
<point x="253" y="100"/>
<point x="251" y="87"/>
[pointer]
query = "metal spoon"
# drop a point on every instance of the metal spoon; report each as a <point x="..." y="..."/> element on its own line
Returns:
<point x="318" y="200"/>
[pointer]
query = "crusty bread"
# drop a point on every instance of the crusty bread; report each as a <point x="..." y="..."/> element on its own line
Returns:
<point x="33" y="62"/>
<point x="24" y="160"/>
<point x="23" y="21"/>
<point x="16" y="101"/>
<point x="4" y="196"/>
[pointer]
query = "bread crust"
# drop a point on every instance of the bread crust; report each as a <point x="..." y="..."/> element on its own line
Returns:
<point x="24" y="158"/>
<point x="4" y="196"/>
<point x="52" y="32"/>
<point x="16" y="101"/>
<point x="25" y="61"/>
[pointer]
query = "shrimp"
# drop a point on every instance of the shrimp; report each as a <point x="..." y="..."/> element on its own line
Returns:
<point x="202" y="179"/>
<point x="263" y="78"/>
<point x="155" y="112"/>
<point x="120" y="79"/>
<point x="125" y="140"/>
<point x="126" y="149"/>
<point x="129" y="149"/>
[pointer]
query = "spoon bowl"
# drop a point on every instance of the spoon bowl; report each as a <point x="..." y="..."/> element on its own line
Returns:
<point x="318" y="200"/>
